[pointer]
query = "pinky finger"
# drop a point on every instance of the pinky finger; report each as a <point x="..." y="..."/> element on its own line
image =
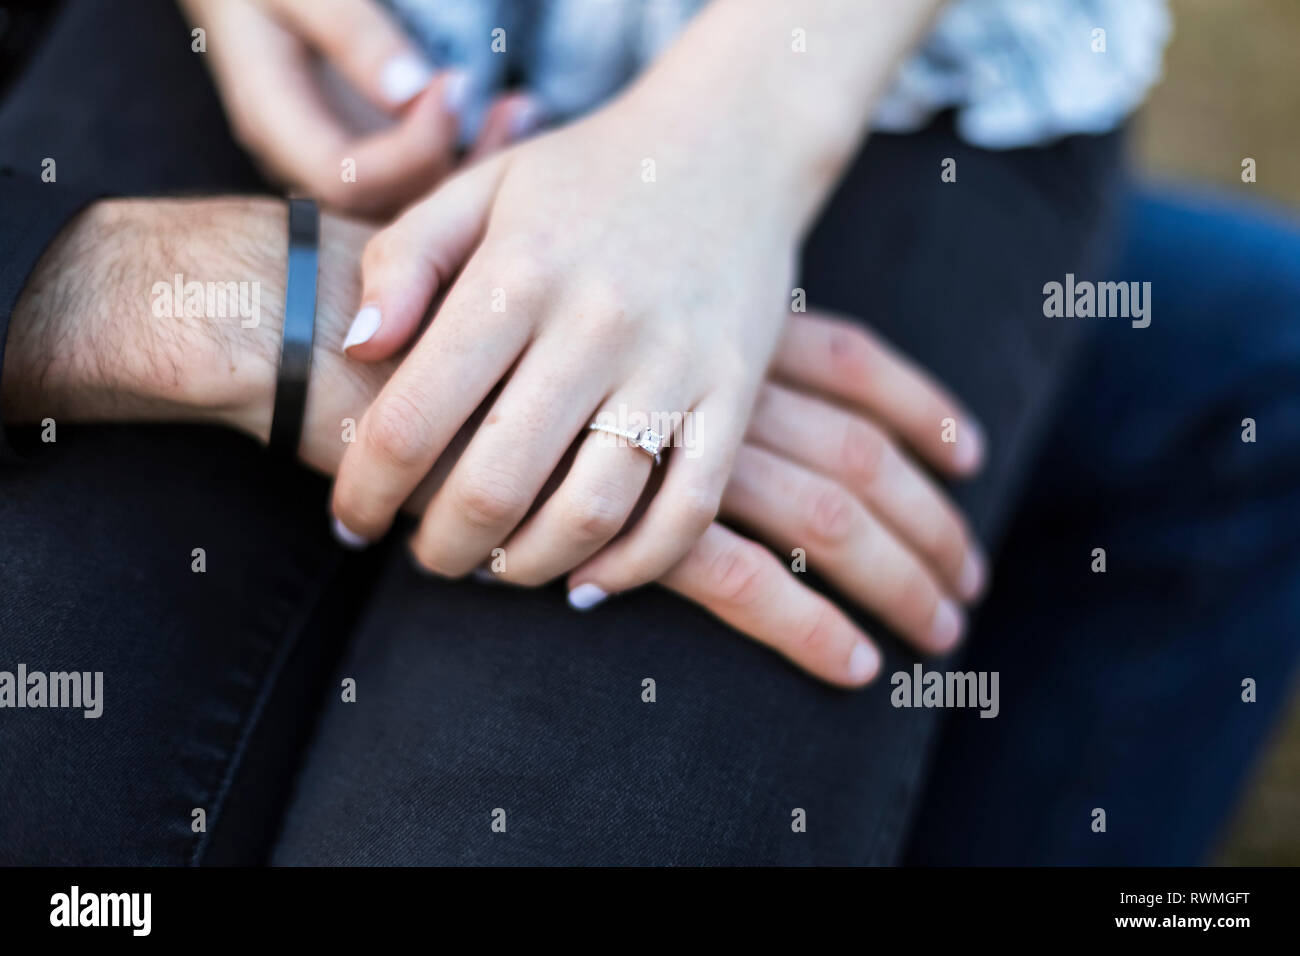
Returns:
<point x="744" y="585"/>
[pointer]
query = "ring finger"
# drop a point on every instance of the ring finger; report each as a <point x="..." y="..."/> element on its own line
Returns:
<point x="524" y="436"/>
<point x="596" y="497"/>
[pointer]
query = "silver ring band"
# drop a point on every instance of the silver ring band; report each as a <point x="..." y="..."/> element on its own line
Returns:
<point x="650" y="442"/>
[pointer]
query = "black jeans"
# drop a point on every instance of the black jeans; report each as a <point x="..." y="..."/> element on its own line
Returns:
<point x="223" y="689"/>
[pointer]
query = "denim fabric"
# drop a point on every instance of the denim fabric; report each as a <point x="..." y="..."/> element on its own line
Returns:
<point x="474" y="697"/>
<point x="96" y="574"/>
<point x="97" y="529"/>
<point x="1123" y="690"/>
<point x="471" y="698"/>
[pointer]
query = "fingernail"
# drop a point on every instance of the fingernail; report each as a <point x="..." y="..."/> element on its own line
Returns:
<point x="347" y="537"/>
<point x="403" y="76"/>
<point x="528" y="116"/>
<point x="969" y="452"/>
<point x="455" y="90"/>
<point x="863" y="663"/>
<point x="586" y="596"/>
<point x="970" y="581"/>
<point x="946" y="627"/>
<point x="363" y="327"/>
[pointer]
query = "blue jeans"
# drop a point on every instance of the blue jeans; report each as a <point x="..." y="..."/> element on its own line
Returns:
<point x="1123" y="690"/>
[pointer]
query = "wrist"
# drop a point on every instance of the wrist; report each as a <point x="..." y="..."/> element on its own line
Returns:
<point x="106" y="331"/>
<point x="776" y="96"/>
<point x="149" y="310"/>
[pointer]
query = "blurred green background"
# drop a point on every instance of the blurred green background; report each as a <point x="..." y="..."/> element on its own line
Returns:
<point x="1232" y="90"/>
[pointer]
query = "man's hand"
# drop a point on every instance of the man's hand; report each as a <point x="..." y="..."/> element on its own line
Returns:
<point x="100" y="333"/>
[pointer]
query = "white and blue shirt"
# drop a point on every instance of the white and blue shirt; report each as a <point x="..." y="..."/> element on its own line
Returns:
<point x="1017" y="72"/>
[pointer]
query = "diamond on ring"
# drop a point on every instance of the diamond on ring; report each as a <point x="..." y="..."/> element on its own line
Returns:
<point x="648" y="440"/>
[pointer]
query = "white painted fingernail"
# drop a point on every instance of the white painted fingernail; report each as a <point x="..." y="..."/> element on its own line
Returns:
<point x="403" y="76"/>
<point x="363" y="327"/>
<point x="971" y="579"/>
<point x="586" y="596"/>
<point x="455" y="91"/>
<point x="347" y="537"/>
<point x="528" y="116"/>
<point x="946" y="627"/>
<point x="863" y="663"/>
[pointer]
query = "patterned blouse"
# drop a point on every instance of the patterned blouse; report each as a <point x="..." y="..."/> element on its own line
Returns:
<point x="1017" y="72"/>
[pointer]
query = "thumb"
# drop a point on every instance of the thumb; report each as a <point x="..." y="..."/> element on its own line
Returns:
<point x="407" y="264"/>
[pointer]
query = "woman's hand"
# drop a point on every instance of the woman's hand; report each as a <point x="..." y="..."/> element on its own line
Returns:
<point x="400" y="139"/>
<point x="600" y="280"/>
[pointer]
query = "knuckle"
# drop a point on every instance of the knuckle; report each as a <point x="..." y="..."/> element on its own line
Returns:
<point x="699" y="506"/>
<point x="949" y="543"/>
<point x="603" y="294"/>
<point x="830" y="514"/>
<point x="489" y="499"/>
<point x="862" y="453"/>
<point x="595" y="514"/>
<point x="816" y="634"/>
<point x="398" y="429"/>
<point x="917" y="597"/>
<point x="604" y="311"/>
<point x="676" y="347"/>
<point x="378" y="252"/>
<point x="736" y="576"/>
<point x="519" y="272"/>
<point x="849" y="352"/>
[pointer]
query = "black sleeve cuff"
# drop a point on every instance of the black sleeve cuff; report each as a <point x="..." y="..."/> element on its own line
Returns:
<point x="32" y="213"/>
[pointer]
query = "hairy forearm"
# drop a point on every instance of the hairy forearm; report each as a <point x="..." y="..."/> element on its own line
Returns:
<point x="94" y="338"/>
<point x="100" y="334"/>
<point x="778" y="94"/>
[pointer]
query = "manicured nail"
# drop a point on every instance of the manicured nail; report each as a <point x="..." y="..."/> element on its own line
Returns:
<point x="455" y="91"/>
<point x="946" y="627"/>
<point x="528" y="116"/>
<point x="969" y="452"/>
<point x="970" y="581"/>
<point x="363" y="327"/>
<point x="403" y="76"/>
<point x="586" y="596"/>
<point x="863" y="663"/>
<point x="347" y="537"/>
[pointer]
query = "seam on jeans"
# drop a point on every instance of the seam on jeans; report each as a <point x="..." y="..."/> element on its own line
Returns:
<point x="297" y="628"/>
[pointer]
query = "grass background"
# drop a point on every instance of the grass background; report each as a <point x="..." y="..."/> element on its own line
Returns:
<point x="1232" y="90"/>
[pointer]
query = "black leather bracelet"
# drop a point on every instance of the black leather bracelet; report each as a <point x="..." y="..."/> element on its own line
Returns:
<point x="299" y="328"/>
